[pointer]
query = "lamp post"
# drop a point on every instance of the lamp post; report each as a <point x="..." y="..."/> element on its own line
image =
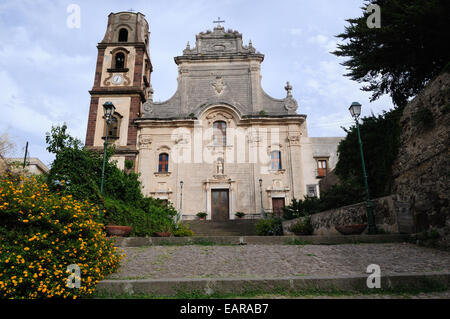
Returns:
<point x="263" y="213"/>
<point x="108" y="109"/>
<point x="355" y="111"/>
<point x="181" y="197"/>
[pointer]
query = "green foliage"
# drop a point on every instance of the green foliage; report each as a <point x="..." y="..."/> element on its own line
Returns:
<point x="299" y="208"/>
<point x="240" y="214"/>
<point x="381" y="140"/>
<point x="262" y="113"/>
<point x="401" y="57"/>
<point x="41" y="234"/>
<point x="423" y="118"/>
<point x="347" y="192"/>
<point x="182" y="230"/>
<point x="302" y="227"/>
<point x="202" y="215"/>
<point x="77" y="171"/>
<point x="269" y="227"/>
<point x="129" y="164"/>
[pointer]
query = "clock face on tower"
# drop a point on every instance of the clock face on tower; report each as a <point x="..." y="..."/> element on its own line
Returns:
<point x="117" y="79"/>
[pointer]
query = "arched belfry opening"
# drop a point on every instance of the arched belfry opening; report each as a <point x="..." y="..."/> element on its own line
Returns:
<point x="123" y="35"/>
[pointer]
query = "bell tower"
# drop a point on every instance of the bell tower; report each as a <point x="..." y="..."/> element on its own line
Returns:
<point x="122" y="76"/>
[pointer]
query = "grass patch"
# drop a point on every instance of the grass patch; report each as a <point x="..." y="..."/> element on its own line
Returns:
<point x="299" y="242"/>
<point x="281" y="292"/>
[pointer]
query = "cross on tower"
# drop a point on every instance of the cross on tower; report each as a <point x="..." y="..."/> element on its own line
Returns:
<point x="131" y="10"/>
<point x="218" y="21"/>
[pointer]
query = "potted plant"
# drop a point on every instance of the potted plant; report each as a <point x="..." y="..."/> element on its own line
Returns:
<point x="115" y="228"/>
<point x="351" y="229"/>
<point x="202" y="215"/>
<point x="163" y="231"/>
<point x="240" y="215"/>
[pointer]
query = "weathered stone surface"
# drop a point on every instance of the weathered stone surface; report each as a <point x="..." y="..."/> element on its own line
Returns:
<point x="422" y="168"/>
<point x="386" y="211"/>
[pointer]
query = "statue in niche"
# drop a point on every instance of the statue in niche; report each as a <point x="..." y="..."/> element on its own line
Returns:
<point x="219" y="170"/>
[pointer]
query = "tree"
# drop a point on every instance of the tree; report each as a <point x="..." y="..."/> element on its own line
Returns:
<point x="411" y="47"/>
<point x="381" y="140"/>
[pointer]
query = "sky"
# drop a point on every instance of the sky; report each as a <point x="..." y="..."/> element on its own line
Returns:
<point x="47" y="67"/>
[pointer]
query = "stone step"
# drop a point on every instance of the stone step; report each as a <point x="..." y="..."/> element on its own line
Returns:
<point x="350" y="283"/>
<point x="245" y="227"/>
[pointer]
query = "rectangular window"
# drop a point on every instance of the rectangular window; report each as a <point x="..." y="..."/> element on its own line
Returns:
<point x="322" y="168"/>
<point x="311" y="190"/>
<point x="163" y="166"/>
<point x="276" y="160"/>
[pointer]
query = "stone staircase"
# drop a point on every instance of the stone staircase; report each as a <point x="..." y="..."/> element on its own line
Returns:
<point x="244" y="227"/>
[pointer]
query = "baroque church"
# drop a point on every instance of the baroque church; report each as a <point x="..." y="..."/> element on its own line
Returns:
<point x="220" y="144"/>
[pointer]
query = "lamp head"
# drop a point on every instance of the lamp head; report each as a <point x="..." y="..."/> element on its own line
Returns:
<point x="355" y="109"/>
<point x="108" y="109"/>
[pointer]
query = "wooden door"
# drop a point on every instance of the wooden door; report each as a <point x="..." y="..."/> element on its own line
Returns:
<point x="277" y="206"/>
<point x="220" y="205"/>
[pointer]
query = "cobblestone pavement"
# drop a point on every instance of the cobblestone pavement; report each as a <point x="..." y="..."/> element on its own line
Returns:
<point x="259" y="261"/>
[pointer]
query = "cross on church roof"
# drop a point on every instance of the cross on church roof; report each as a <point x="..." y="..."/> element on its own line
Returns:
<point x="131" y="10"/>
<point x="218" y="21"/>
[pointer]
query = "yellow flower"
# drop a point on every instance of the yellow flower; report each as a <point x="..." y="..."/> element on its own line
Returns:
<point x="26" y="249"/>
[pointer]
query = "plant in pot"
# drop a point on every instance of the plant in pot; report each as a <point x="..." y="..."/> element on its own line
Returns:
<point x="116" y="223"/>
<point x="240" y="215"/>
<point x="202" y="215"/>
<point x="164" y="230"/>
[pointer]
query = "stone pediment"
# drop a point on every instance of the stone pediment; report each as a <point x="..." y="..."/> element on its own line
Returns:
<point x="219" y="42"/>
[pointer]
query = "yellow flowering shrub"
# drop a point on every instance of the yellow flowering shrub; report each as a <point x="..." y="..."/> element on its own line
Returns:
<point x="41" y="234"/>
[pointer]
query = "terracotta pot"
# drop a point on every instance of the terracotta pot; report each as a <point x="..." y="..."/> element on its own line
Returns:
<point x="122" y="231"/>
<point x="162" y="234"/>
<point x="202" y="218"/>
<point x="353" y="229"/>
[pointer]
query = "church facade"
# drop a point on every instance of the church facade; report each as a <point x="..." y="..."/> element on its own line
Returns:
<point x="220" y="144"/>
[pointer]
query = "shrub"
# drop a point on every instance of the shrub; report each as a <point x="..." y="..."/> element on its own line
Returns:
<point x="182" y="230"/>
<point x="298" y="208"/>
<point x="41" y="234"/>
<point x="152" y="216"/>
<point x="269" y="227"/>
<point x="302" y="227"/>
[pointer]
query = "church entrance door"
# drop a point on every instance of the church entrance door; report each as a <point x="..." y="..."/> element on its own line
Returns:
<point x="277" y="206"/>
<point x="220" y="205"/>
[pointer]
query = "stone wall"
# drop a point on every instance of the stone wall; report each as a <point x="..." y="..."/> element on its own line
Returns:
<point x="422" y="168"/>
<point x="391" y="216"/>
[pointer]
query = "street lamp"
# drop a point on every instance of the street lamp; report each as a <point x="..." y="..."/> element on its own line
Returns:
<point x="263" y="213"/>
<point x="355" y="111"/>
<point x="108" y="109"/>
<point x="181" y="197"/>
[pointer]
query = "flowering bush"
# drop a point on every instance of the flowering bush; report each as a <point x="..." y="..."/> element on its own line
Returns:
<point x="41" y="234"/>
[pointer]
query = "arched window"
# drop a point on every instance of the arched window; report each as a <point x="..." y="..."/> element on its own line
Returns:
<point x="119" y="60"/>
<point x="220" y="133"/>
<point x="113" y="129"/>
<point x="163" y="165"/>
<point x="123" y="35"/>
<point x="275" y="158"/>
